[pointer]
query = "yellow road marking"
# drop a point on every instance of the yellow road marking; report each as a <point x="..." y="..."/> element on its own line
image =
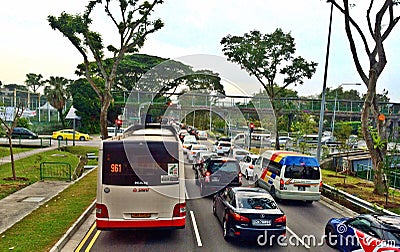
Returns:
<point x="92" y="241"/>
<point x="85" y="238"/>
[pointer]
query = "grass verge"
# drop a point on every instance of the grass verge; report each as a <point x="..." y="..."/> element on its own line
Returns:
<point x="362" y="189"/>
<point x="5" y="151"/>
<point x="28" y="169"/>
<point x="40" y="230"/>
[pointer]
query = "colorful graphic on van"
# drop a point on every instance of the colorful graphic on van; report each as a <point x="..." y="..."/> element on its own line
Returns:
<point x="293" y="158"/>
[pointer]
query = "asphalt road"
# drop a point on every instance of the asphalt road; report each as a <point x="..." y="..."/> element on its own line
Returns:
<point x="203" y="232"/>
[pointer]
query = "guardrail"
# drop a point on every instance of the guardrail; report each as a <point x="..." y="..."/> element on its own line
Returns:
<point x="356" y="201"/>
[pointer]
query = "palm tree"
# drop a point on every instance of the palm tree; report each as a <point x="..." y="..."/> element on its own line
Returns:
<point x="34" y="81"/>
<point x="57" y="94"/>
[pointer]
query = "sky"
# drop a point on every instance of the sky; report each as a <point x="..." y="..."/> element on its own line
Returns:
<point x="29" y="45"/>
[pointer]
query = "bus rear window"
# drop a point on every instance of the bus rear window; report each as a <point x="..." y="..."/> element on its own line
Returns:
<point x="140" y="163"/>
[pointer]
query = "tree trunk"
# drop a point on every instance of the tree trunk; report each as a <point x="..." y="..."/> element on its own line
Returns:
<point x="376" y="152"/>
<point x="277" y="146"/>
<point x="105" y="103"/>
<point x="61" y="117"/>
<point x="12" y="158"/>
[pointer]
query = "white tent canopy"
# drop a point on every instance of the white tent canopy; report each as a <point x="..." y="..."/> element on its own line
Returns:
<point x="47" y="106"/>
<point x="71" y="114"/>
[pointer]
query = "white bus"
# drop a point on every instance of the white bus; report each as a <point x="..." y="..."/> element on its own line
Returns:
<point x="289" y="175"/>
<point x="258" y="140"/>
<point x="141" y="180"/>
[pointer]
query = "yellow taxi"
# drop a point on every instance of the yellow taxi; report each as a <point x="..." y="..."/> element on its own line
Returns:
<point x="67" y="134"/>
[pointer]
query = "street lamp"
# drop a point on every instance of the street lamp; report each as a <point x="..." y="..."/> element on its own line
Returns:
<point x="334" y="106"/>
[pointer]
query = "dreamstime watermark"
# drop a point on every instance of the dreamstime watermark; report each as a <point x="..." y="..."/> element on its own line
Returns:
<point x="315" y="241"/>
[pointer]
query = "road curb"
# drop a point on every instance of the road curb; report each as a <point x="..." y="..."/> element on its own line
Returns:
<point x="77" y="224"/>
<point x="72" y="230"/>
<point x="337" y="207"/>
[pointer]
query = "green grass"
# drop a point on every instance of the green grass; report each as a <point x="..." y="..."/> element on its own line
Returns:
<point x="362" y="189"/>
<point x="5" y="151"/>
<point x="40" y="230"/>
<point x="28" y="169"/>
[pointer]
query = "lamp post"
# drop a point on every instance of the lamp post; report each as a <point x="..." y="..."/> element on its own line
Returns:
<point x="321" y="113"/>
<point x="334" y="106"/>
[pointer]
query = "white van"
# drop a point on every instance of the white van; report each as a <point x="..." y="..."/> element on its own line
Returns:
<point x="289" y="175"/>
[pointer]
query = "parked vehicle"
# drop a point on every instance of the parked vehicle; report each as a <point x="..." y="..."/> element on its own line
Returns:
<point x="366" y="232"/>
<point x="289" y="175"/>
<point x="200" y="157"/>
<point x="67" y="134"/>
<point x="194" y="149"/>
<point x="202" y="135"/>
<point x="222" y="148"/>
<point x="216" y="173"/>
<point x="247" y="165"/>
<point x="246" y="213"/>
<point x="239" y="154"/>
<point x="23" y="133"/>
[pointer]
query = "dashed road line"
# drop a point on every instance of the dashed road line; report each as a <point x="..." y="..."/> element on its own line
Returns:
<point x="196" y="230"/>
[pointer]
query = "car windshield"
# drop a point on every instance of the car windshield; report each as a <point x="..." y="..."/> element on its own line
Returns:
<point x="225" y="144"/>
<point x="302" y="172"/>
<point x="224" y="166"/>
<point x="256" y="202"/>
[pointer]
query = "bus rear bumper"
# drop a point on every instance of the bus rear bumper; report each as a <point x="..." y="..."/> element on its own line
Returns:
<point x="174" y="223"/>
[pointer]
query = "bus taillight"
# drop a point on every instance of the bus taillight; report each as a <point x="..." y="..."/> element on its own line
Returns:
<point x="179" y="210"/>
<point x="281" y="184"/>
<point x="101" y="211"/>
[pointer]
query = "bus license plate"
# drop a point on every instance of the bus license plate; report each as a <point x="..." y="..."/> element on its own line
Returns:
<point x="302" y="188"/>
<point x="140" y="215"/>
<point x="261" y="222"/>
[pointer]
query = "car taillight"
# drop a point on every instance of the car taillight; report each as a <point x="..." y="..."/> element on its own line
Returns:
<point x="240" y="175"/>
<point x="281" y="184"/>
<point x="320" y="183"/>
<point x="281" y="219"/>
<point x="101" y="211"/>
<point x="207" y="178"/>
<point x="219" y="147"/>
<point x="251" y="166"/>
<point x="179" y="210"/>
<point x="193" y="152"/>
<point x="240" y="218"/>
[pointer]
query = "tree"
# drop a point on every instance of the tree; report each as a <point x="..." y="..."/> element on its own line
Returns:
<point x="34" y="81"/>
<point x="133" y="25"/>
<point x="375" y="52"/>
<point x="87" y="105"/>
<point x="9" y="130"/>
<point x="57" y="94"/>
<point x="265" y="57"/>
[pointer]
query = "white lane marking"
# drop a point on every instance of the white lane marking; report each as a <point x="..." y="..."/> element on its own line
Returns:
<point x="196" y="230"/>
<point x="297" y="237"/>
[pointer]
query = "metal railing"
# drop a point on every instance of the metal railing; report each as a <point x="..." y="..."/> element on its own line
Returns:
<point x="392" y="174"/>
<point x="55" y="170"/>
<point x="355" y="200"/>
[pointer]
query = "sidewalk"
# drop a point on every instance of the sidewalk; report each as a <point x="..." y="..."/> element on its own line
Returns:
<point x="16" y="206"/>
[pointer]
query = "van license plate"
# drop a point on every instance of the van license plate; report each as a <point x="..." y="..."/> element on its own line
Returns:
<point x="302" y="188"/>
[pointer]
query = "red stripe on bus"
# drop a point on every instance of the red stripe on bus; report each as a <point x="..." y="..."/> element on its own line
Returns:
<point x="110" y="224"/>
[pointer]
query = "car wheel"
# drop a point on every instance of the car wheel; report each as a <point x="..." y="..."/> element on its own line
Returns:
<point x="225" y="229"/>
<point x="82" y="138"/>
<point x="256" y="184"/>
<point x="213" y="209"/>
<point x="202" y="190"/>
<point x="59" y="138"/>
<point x="272" y="192"/>
<point x="330" y="237"/>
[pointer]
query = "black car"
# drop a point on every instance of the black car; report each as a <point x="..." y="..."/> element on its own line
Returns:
<point x="216" y="173"/>
<point x="248" y="214"/>
<point x="23" y="133"/>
